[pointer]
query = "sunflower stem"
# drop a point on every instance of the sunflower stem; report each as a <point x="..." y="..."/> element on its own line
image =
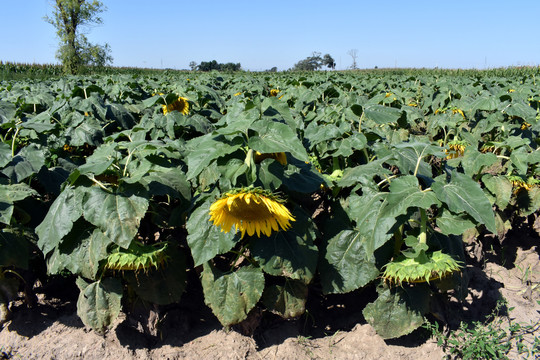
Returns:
<point x="422" y="238"/>
<point x="399" y="240"/>
<point x="249" y="157"/>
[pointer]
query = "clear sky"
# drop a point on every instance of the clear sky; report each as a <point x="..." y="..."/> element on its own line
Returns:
<point x="262" y="34"/>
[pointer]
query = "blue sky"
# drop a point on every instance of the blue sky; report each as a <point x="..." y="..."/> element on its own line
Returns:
<point x="262" y="34"/>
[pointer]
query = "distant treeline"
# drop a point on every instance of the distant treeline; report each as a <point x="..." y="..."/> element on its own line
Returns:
<point x="16" y="71"/>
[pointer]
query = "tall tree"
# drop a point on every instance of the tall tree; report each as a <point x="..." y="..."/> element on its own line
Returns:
<point x="315" y="62"/>
<point x="70" y="17"/>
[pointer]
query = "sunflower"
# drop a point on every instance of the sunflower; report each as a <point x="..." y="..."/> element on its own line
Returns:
<point x="250" y="210"/>
<point x="274" y="92"/>
<point x="279" y="156"/>
<point x="181" y="105"/>
<point x="425" y="268"/>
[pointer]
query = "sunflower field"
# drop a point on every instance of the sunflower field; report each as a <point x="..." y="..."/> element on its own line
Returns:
<point x="262" y="188"/>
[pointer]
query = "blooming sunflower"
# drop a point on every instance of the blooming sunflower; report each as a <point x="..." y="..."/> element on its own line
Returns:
<point x="279" y="156"/>
<point x="250" y="210"/>
<point x="274" y="92"/>
<point x="181" y="105"/>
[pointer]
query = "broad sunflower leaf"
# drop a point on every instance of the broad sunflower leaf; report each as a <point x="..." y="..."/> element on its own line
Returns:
<point x="500" y="187"/>
<point x="9" y="194"/>
<point x="462" y="194"/>
<point x="288" y="300"/>
<point x="232" y="295"/>
<point x="405" y="192"/>
<point x="5" y="154"/>
<point x="452" y="224"/>
<point x="58" y="222"/>
<point x="27" y="162"/>
<point x="7" y="112"/>
<point x="373" y="221"/>
<point x="206" y="240"/>
<point x="382" y="114"/>
<point x="410" y="157"/>
<point x="117" y="215"/>
<point x="80" y="251"/>
<point x="397" y="311"/>
<point x="289" y="253"/>
<point x="347" y="265"/>
<point x="473" y="161"/>
<point x="316" y="134"/>
<point x="99" y="302"/>
<point x="276" y="137"/>
<point x="205" y="149"/>
<point x="364" y="174"/>
<point x="523" y="111"/>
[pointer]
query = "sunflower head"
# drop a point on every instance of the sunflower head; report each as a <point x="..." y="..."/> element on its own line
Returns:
<point x="274" y="92"/>
<point x="279" y="156"/>
<point x="181" y="105"/>
<point x="456" y="148"/>
<point x="251" y="210"/>
<point x="424" y="268"/>
<point x="137" y="257"/>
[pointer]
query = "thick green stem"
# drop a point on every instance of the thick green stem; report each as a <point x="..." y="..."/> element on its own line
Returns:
<point x="422" y="238"/>
<point x="399" y="240"/>
<point x="13" y="142"/>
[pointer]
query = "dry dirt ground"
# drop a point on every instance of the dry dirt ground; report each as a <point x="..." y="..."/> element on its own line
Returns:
<point x="52" y="330"/>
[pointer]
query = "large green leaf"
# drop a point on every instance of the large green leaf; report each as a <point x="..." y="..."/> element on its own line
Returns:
<point x="474" y="161"/>
<point x="500" y="187"/>
<point x="232" y="295"/>
<point x="462" y="194"/>
<point x="289" y="253"/>
<point x="206" y="240"/>
<point x="404" y="193"/>
<point x="64" y="211"/>
<point x="397" y="311"/>
<point x="364" y="174"/>
<point x="27" y="162"/>
<point x="117" y="215"/>
<point x="450" y="223"/>
<point x="80" y="251"/>
<point x="276" y="137"/>
<point x="9" y="194"/>
<point x="288" y="300"/>
<point x="347" y="264"/>
<point x="99" y="302"/>
<point x="382" y="114"/>
<point x="206" y="149"/>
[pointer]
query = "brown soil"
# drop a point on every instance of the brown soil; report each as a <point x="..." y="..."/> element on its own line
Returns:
<point x="335" y="329"/>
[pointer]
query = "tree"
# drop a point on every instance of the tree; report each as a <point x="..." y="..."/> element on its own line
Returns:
<point x="329" y="61"/>
<point x="214" y="65"/>
<point x="69" y="17"/>
<point x="314" y="62"/>
<point x="354" y="54"/>
<point x="193" y="65"/>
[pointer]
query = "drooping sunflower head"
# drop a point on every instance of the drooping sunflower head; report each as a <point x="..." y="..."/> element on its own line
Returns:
<point x="456" y="148"/>
<point x="274" y="92"/>
<point x="251" y="210"/>
<point x="281" y="157"/>
<point x="181" y="105"/>
<point x="137" y="257"/>
<point x="424" y="268"/>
